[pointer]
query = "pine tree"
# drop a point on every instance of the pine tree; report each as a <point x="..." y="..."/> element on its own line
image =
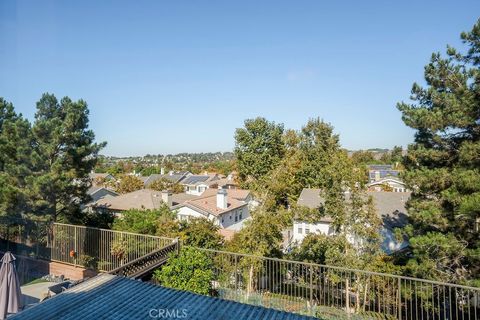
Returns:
<point x="15" y="155"/>
<point x="443" y="166"/>
<point x="65" y="154"/>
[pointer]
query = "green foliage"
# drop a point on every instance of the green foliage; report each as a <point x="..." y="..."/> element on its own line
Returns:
<point x="200" y="232"/>
<point x="44" y="167"/>
<point x="165" y="184"/>
<point x="191" y="270"/>
<point x="258" y="150"/>
<point x="442" y="166"/>
<point x="128" y="184"/>
<point x="142" y="221"/>
<point x="262" y="236"/>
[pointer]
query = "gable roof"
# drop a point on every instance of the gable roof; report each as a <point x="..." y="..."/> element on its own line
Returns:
<point x="143" y="199"/>
<point x="207" y="202"/>
<point x="94" y="189"/>
<point x="174" y="178"/>
<point x="239" y="194"/>
<point x="390" y="206"/>
<point x="110" y="297"/>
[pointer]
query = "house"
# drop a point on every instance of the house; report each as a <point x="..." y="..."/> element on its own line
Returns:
<point x="143" y="199"/>
<point x="384" y="178"/>
<point x="381" y="171"/>
<point x="197" y="184"/>
<point x="390" y="207"/>
<point x="173" y="177"/>
<point x="100" y="178"/>
<point x="227" y="208"/>
<point x="97" y="193"/>
<point x="389" y="184"/>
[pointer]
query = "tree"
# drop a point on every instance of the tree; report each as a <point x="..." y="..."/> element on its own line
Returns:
<point x="261" y="236"/>
<point x="15" y="162"/>
<point x="190" y="270"/>
<point x="143" y="221"/>
<point x="200" y="232"/>
<point x="65" y="154"/>
<point x="258" y="150"/>
<point x="128" y="184"/>
<point x="165" y="184"/>
<point x="442" y="166"/>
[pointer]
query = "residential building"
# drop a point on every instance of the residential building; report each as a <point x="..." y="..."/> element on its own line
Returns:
<point x="197" y="184"/>
<point x="227" y="208"/>
<point x="173" y="177"/>
<point x="385" y="178"/>
<point x="390" y="207"/>
<point x="144" y="199"/>
<point x="97" y="193"/>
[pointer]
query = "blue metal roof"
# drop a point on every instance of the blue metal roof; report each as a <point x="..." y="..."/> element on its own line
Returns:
<point x="110" y="297"/>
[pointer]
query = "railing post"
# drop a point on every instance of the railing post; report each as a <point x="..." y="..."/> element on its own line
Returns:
<point x="75" y="246"/>
<point x="236" y="273"/>
<point x="311" y="289"/>
<point x="177" y="240"/>
<point x="399" y="298"/>
<point x="347" y="297"/>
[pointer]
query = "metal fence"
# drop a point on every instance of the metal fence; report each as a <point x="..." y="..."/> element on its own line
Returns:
<point x="332" y="292"/>
<point x="99" y="249"/>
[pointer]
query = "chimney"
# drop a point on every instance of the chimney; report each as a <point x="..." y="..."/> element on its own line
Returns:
<point x="162" y="171"/>
<point x="222" y="199"/>
<point x="377" y="175"/>
<point x="167" y="197"/>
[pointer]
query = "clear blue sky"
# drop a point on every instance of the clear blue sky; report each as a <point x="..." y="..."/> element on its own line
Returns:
<point x="180" y="76"/>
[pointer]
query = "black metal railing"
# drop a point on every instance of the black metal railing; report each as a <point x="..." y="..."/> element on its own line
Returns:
<point x="331" y="292"/>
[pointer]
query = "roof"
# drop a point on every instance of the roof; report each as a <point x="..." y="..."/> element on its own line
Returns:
<point x="110" y="297"/>
<point x="175" y="178"/>
<point x="94" y="189"/>
<point x="207" y="202"/>
<point x="390" y="206"/>
<point x="239" y="194"/>
<point x="94" y="175"/>
<point x="310" y="198"/>
<point x="143" y="199"/>
<point x="384" y="180"/>
<point x="380" y="167"/>
<point x="197" y="179"/>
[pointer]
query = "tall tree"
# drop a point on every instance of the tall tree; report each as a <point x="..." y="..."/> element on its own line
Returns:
<point x="66" y="153"/>
<point x="258" y="149"/>
<point x="443" y="166"/>
<point x="15" y="155"/>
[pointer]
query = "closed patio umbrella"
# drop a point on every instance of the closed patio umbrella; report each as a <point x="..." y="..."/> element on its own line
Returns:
<point x="10" y="293"/>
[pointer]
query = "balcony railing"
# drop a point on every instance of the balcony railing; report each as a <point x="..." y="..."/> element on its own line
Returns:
<point x="95" y="248"/>
<point x="328" y="292"/>
<point x="331" y="292"/>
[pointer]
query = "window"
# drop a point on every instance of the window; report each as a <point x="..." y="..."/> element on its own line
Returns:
<point x="307" y="230"/>
<point x="300" y="230"/>
<point x="236" y="217"/>
<point x="240" y="216"/>
<point x="223" y="220"/>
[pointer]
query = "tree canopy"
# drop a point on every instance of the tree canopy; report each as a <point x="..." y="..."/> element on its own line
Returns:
<point x="45" y="166"/>
<point x="443" y="166"/>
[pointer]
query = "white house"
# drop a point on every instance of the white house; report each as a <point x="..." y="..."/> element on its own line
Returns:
<point x="391" y="184"/>
<point x="197" y="184"/>
<point x="227" y="208"/>
<point x="390" y="207"/>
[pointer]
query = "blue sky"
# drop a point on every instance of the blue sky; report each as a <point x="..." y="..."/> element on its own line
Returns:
<point x="180" y="76"/>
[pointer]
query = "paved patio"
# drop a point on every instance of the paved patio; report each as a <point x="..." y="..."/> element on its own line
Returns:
<point x="33" y="293"/>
